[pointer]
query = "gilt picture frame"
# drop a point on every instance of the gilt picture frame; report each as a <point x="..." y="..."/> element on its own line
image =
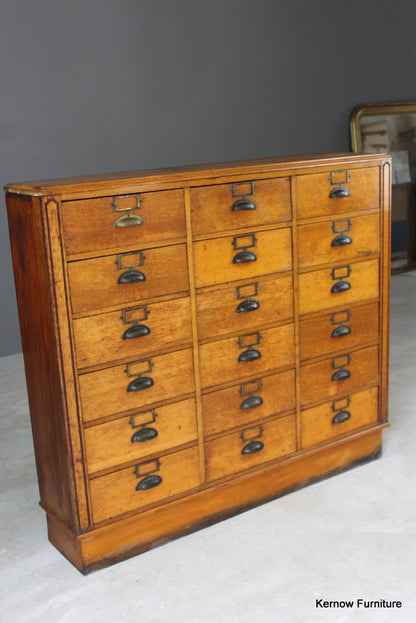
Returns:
<point x="387" y="128"/>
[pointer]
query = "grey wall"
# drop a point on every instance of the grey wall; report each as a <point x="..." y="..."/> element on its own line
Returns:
<point x="91" y="86"/>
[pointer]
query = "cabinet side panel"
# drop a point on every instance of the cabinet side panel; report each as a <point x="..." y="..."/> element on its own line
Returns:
<point x="36" y="315"/>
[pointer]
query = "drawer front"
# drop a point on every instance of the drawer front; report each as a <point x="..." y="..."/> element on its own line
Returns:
<point x="338" y="192"/>
<point x="338" y="375"/>
<point x="339" y="417"/>
<point x="243" y="204"/>
<point x="132" y="332"/>
<point x="108" y="281"/>
<point x="338" y="330"/>
<point x="127" y="220"/>
<point x="246" y="355"/>
<point x="250" y="447"/>
<point x="247" y="402"/>
<point x="323" y="289"/>
<point x="338" y="240"/>
<point x="139" y="435"/>
<point x="216" y="260"/>
<point x="117" y="493"/>
<point x="118" y="389"/>
<point x="240" y="306"/>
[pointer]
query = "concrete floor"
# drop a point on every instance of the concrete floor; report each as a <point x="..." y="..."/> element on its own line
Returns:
<point x="348" y="537"/>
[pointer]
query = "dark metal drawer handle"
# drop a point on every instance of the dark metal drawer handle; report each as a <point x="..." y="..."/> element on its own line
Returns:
<point x="251" y="354"/>
<point x="342" y="416"/>
<point x="137" y="330"/>
<point x="153" y="480"/>
<point x="252" y="447"/>
<point x="131" y="276"/>
<point x="143" y="382"/>
<point x="341" y="375"/>
<point x="341" y="286"/>
<point x="243" y="204"/>
<point x="341" y="330"/>
<point x="339" y="191"/>
<point x="251" y="402"/>
<point x="128" y="220"/>
<point x="244" y="256"/>
<point x="341" y="240"/>
<point x="144" y="434"/>
<point x="248" y="305"/>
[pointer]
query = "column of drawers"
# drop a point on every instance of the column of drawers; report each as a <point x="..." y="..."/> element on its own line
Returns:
<point x="244" y="300"/>
<point x="133" y="347"/>
<point x="339" y="266"/>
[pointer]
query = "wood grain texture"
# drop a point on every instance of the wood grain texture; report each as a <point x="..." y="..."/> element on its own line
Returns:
<point x="99" y="338"/>
<point x="90" y="225"/>
<point x="315" y="240"/>
<point x="313" y="192"/>
<point x="217" y="309"/>
<point x="42" y="365"/>
<point x="105" y="392"/>
<point x="94" y="283"/>
<point x="318" y="425"/>
<point x="316" y="332"/>
<point x="212" y="205"/>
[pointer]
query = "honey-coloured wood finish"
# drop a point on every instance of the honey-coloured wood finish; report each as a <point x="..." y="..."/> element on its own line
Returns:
<point x="178" y="335"/>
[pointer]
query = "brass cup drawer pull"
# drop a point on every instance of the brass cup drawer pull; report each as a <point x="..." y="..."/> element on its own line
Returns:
<point x="243" y="204"/>
<point x="137" y="385"/>
<point x="131" y="276"/>
<point x="144" y="434"/>
<point x="243" y="257"/>
<point x="251" y="354"/>
<point x="149" y="482"/>
<point x="341" y="375"/>
<point x="337" y="178"/>
<point x="341" y="330"/>
<point x="248" y="305"/>
<point x="135" y="331"/>
<point x="341" y="240"/>
<point x="251" y="402"/>
<point x="253" y="447"/>
<point x="339" y="191"/>
<point x="341" y="286"/>
<point x="340" y="417"/>
<point x="128" y="220"/>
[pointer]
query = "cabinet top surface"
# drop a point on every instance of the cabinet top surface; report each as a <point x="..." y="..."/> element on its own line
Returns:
<point x="73" y="187"/>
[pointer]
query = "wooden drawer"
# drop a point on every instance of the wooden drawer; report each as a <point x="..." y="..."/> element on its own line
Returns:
<point x="338" y="239"/>
<point x="219" y="361"/>
<point x="94" y="283"/>
<point x="247" y="402"/>
<point x="113" y="222"/>
<point x="214" y="259"/>
<point x="139" y="435"/>
<point x="117" y="493"/>
<point x="338" y="375"/>
<point x="223" y="310"/>
<point x="362" y="187"/>
<point x="106" y="392"/>
<point x="338" y="330"/>
<point x="317" y="288"/>
<point x="224" y="456"/>
<point x="339" y="417"/>
<point x="223" y="207"/>
<point x="132" y="332"/>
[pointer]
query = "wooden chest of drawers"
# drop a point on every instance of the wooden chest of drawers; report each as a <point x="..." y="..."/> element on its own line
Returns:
<point x="199" y="340"/>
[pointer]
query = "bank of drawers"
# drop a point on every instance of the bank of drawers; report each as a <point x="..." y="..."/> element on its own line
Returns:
<point x="129" y="289"/>
<point x="338" y="255"/>
<point x="131" y="300"/>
